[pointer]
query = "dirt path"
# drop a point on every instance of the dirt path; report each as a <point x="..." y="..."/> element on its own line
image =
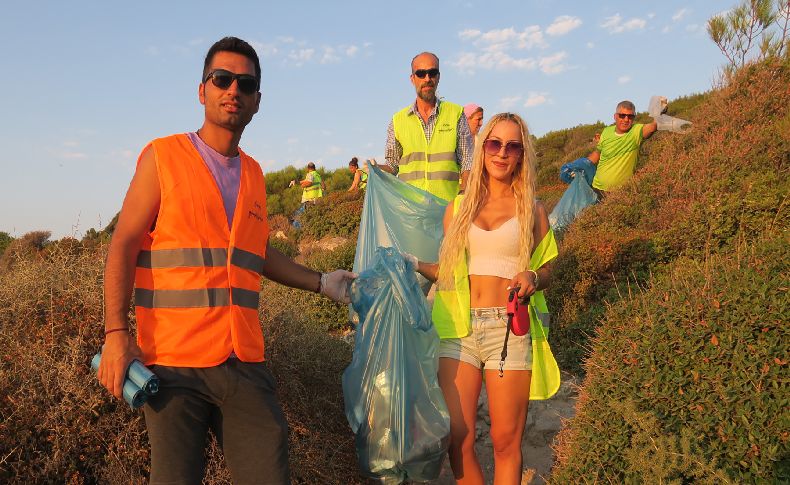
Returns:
<point x="544" y="421"/>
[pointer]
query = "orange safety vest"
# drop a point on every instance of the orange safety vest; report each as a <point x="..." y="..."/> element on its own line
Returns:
<point x="197" y="283"/>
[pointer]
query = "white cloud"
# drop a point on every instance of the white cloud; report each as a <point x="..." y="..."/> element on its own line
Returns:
<point x="505" y="39"/>
<point x="265" y="50"/>
<point x="300" y="56"/>
<point x="563" y="24"/>
<point x="553" y="64"/>
<point x="352" y="50"/>
<point x="651" y="15"/>
<point x="680" y="14"/>
<point x="590" y="45"/>
<point x="666" y="29"/>
<point x="471" y="62"/>
<point x="329" y="56"/>
<point x="616" y="25"/>
<point x="623" y="79"/>
<point x="334" y="150"/>
<point x="692" y="28"/>
<point x="536" y="99"/>
<point x="508" y="103"/>
<point x="469" y="34"/>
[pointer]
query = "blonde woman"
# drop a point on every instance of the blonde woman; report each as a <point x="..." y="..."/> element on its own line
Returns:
<point x="497" y="237"/>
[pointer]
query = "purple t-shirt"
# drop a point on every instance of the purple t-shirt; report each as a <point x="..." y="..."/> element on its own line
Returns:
<point x="226" y="172"/>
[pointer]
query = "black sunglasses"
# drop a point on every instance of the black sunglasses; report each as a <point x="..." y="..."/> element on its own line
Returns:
<point x="221" y="78"/>
<point x="512" y="148"/>
<point x="623" y="116"/>
<point x="432" y="73"/>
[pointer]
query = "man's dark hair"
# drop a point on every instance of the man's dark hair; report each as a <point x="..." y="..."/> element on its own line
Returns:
<point x="627" y="105"/>
<point x="354" y="162"/>
<point x="311" y="165"/>
<point x="232" y="44"/>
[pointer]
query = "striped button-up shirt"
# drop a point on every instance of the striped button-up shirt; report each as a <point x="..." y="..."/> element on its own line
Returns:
<point x="464" y="147"/>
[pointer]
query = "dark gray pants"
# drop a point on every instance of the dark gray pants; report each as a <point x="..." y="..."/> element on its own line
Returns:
<point x="238" y="402"/>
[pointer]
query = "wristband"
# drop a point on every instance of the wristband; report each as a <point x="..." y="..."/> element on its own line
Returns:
<point x="320" y="283"/>
<point x="536" y="277"/>
<point x="119" y="329"/>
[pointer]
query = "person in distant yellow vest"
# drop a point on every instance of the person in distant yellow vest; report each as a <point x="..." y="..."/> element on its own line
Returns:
<point x="360" y="176"/>
<point x="429" y="142"/>
<point x="490" y="233"/>
<point x="311" y="184"/>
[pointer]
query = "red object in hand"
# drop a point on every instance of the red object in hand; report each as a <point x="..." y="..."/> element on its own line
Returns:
<point x="518" y="314"/>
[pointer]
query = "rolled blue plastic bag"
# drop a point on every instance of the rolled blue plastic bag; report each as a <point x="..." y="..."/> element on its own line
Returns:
<point x="392" y="397"/>
<point x="134" y="389"/>
<point x="576" y="197"/>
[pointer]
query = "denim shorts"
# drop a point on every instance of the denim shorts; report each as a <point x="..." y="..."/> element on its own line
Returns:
<point x="483" y="347"/>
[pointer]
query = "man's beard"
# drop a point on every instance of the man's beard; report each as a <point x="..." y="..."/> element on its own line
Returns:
<point x="427" y="96"/>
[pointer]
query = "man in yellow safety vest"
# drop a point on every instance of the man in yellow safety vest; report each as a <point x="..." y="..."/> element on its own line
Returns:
<point x="429" y="142"/>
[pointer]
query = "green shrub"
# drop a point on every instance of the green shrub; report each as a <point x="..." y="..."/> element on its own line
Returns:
<point x="688" y="380"/>
<point x="337" y="214"/>
<point x="723" y="183"/>
<point x="5" y="240"/>
<point x="285" y="246"/>
<point x="316" y="310"/>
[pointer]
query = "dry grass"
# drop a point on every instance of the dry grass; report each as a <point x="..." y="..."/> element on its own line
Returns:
<point x="58" y="425"/>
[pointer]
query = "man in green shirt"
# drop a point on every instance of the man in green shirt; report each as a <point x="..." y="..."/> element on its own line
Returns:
<point x="618" y="148"/>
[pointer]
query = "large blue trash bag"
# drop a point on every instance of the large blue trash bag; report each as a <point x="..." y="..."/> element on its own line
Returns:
<point x="396" y="214"/>
<point x="576" y="197"/>
<point x="392" y="397"/>
<point x="581" y="165"/>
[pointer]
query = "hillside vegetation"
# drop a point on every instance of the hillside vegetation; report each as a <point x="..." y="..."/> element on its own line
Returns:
<point x="681" y="282"/>
<point x="671" y="297"/>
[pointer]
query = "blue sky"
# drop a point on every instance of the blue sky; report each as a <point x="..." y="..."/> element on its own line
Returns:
<point x="88" y="84"/>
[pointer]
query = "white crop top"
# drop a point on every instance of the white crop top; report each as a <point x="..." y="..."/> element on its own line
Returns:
<point x="494" y="253"/>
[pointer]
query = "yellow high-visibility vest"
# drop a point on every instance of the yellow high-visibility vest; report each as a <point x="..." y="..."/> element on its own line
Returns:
<point x="433" y="166"/>
<point x="313" y="191"/>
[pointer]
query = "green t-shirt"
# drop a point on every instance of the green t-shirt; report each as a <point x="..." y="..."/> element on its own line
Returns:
<point x="618" y="157"/>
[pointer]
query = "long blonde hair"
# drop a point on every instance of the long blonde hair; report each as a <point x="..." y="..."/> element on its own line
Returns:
<point x="456" y="241"/>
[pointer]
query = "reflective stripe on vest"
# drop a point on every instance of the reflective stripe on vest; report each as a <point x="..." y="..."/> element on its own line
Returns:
<point x="363" y="180"/>
<point x="314" y="191"/>
<point x="432" y="166"/>
<point x="452" y="317"/>
<point x="197" y="284"/>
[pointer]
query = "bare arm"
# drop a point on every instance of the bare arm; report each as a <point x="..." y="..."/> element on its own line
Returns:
<point x="281" y="269"/>
<point x="594" y="157"/>
<point x="526" y="280"/>
<point x="649" y="129"/>
<point x="355" y="183"/>
<point x="137" y="215"/>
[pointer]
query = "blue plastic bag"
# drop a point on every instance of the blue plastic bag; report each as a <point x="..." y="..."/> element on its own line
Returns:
<point x="392" y="397"/>
<point x="576" y="197"/>
<point x="396" y="214"/>
<point x="581" y="165"/>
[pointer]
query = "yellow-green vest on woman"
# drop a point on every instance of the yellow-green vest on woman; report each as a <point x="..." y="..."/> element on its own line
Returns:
<point x="433" y="166"/>
<point x="452" y="319"/>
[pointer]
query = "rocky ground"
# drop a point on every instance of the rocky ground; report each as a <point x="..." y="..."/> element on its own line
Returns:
<point x="544" y="421"/>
